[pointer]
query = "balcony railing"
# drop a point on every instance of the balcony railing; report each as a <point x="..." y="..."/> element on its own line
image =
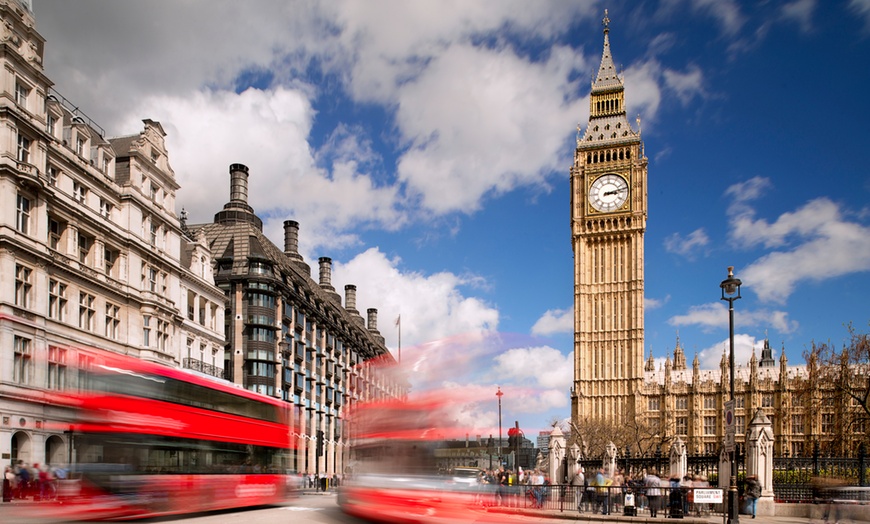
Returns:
<point x="202" y="367"/>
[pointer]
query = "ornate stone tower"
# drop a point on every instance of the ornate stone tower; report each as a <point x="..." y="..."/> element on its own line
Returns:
<point x="608" y="220"/>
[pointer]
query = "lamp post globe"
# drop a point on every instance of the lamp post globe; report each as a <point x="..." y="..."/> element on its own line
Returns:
<point x="731" y="292"/>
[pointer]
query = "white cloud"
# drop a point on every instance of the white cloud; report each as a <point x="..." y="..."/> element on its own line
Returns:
<point x="686" y="84"/>
<point x="862" y="8"/>
<point x="546" y="373"/>
<point x="714" y="315"/>
<point x="481" y="121"/>
<point x="555" y="321"/>
<point x="815" y="243"/>
<point x="800" y="12"/>
<point x="711" y="357"/>
<point x="650" y="303"/>
<point x="685" y="246"/>
<point x="432" y="306"/>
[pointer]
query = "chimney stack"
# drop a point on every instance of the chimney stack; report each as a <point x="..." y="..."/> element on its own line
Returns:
<point x="239" y="184"/>
<point x="350" y="299"/>
<point x="291" y="239"/>
<point x="373" y="319"/>
<point x="326" y="273"/>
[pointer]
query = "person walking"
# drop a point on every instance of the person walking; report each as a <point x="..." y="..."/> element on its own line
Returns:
<point x="653" y="484"/>
<point x="579" y="484"/>
<point x="753" y="492"/>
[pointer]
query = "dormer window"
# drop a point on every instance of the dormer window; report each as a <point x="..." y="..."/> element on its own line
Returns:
<point x="50" y="123"/>
<point x="80" y="146"/>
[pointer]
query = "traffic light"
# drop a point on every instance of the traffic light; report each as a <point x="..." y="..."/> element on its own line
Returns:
<point x="319" y="443"/>
<point x="513" y="438"/>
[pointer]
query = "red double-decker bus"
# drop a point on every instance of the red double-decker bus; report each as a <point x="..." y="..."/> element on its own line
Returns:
<point x="151" y="440"/>
<point x="394" y="474"/>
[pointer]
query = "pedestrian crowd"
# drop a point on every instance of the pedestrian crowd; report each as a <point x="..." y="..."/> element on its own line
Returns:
<point x="600" y="492"/>
<point x="37" y="481"/>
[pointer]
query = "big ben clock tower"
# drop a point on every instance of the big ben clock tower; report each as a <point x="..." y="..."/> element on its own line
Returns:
<point x="608" y="219"/>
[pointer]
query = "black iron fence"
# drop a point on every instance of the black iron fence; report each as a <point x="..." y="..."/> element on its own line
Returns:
<point x="795" y="479"/>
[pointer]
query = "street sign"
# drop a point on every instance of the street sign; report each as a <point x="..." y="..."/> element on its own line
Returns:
<point x="708" y="496"/>
<point x="730" y="425"/>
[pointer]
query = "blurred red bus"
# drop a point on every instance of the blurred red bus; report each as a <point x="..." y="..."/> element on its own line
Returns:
<point x="394" y="475"/>
<point x="151" y="440"/>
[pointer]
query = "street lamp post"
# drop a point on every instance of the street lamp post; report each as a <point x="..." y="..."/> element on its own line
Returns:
<point x="731" y="292"/>
<point x="499" y="394"/>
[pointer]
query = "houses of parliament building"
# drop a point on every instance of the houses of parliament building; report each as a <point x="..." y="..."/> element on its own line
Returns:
<point x="613" y="382"/>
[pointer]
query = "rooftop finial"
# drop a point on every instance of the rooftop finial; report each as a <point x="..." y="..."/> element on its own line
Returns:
<point x="606" y="22"/>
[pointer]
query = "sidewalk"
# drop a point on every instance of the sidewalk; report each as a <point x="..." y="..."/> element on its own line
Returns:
<point x="646" y="519"/>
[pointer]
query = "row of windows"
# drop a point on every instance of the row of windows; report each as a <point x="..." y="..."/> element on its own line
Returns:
<point x="609" y="155"/>
<point x="23" y="365"/>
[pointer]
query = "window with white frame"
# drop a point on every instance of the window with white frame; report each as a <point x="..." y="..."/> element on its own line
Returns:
<point x="105" y="165"/>
<point x="146" y="330"/>
<point x="709" y="425"/>
<point x="53" y="174"/>
<point x="113" y="321"/>
<point x="22" y="359"/>
<point x="22" y="217"/>
<point x="709" y="402"/>
<point x="22" y="91"/>
<point x="110" y="257"/>
<point x="105" y="208"/>
<point x="86" y="243"/>
<point x="57" y="300"/>
<point x="57" y="367"/>
<point x="162" y="335"/>
<point x="80" y="146"/>
<point x="152" y="279"/>
<point x="55" y="232"/>
<point x="87" y="311"/>
<point x="80" y="192"/>
<point x="740" y="424"/>
<point x="653" y="403"/>
<point x="23" y="285"/>
<point x="23" y="149"/>
<point x="827" y="423"/>
<point x="797" y="424"/>
<point x="152" y="233"/>
<point x="682" y="402"/>
<point x="50" y="123"/>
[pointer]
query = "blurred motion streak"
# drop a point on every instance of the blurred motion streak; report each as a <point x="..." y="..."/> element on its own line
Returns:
<point x="149" y="440"/>
<point x="394" y="475"/>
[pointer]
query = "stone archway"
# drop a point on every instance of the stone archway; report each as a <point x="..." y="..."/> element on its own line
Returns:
<point x="21" y="447"/>
<point x="55" y="451"/>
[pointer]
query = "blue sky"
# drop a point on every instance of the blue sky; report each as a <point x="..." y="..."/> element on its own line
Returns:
<point x="425" y="147"/>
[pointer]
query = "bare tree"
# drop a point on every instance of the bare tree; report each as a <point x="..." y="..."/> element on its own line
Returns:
<point x="836" y="390"/>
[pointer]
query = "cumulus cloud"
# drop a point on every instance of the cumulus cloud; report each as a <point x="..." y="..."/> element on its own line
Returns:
<point x="481" y="121"/>
<point x="804" y="239"/>
<point x="710" y="357"/>
<point x="714" y="315"/>
<point x="688" y="245"/>
<point x="555" y="321"/>
<point x="432" y="306"/>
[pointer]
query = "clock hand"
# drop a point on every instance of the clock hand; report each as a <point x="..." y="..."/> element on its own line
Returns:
<point x="615" y="191"/>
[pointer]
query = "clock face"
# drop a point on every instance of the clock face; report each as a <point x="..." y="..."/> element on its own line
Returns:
<point x="608" y="193"/>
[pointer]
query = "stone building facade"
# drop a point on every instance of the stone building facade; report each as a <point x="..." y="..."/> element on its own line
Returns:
<point x="93" y="254"/>
<point x="289" y="336"/>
